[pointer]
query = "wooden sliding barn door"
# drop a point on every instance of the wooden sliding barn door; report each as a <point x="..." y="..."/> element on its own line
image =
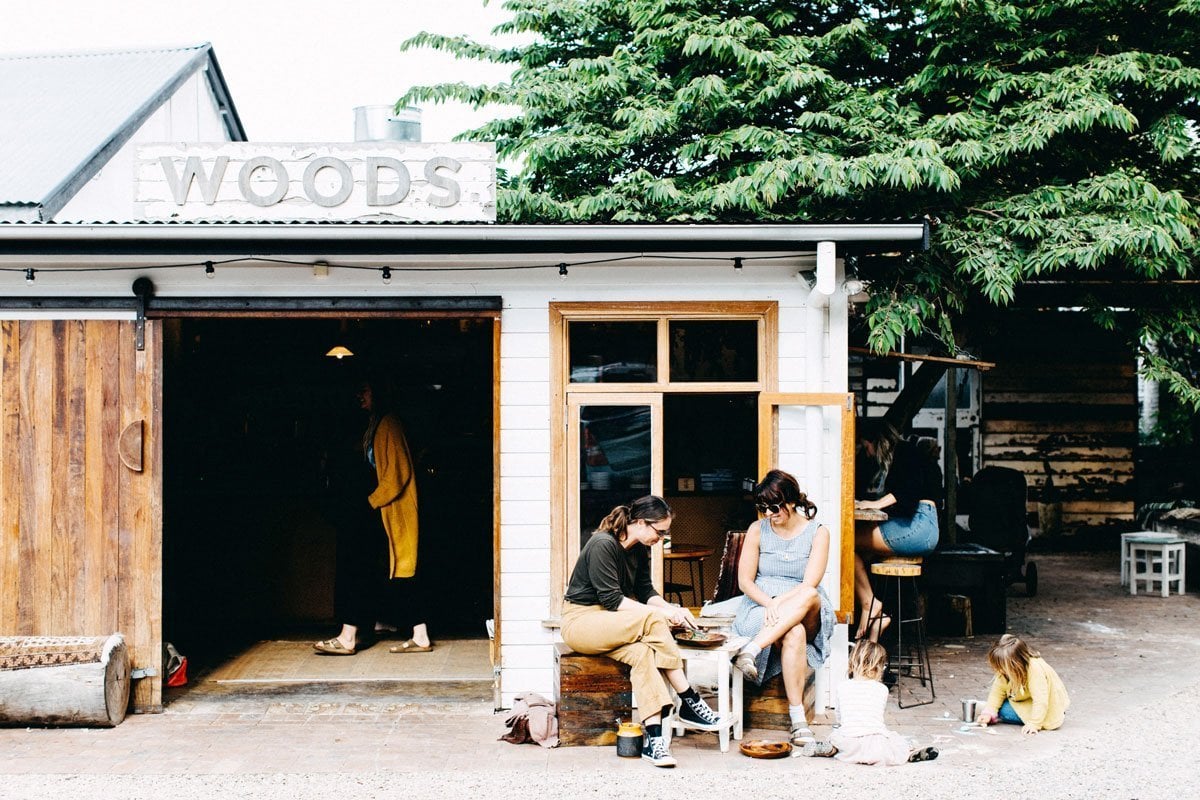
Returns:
<point x="81" y="485"/>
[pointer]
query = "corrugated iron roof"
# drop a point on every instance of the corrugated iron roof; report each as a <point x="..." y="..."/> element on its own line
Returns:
<point x="62" y="116"/>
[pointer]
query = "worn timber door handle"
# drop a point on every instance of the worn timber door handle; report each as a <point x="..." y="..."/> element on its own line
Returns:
<point x="129" y="446"/>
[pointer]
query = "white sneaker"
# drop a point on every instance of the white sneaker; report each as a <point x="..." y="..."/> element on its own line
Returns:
<point x="656" y="752"/>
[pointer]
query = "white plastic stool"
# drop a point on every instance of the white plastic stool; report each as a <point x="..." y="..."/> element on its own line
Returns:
<point x="1151" y="558"/>
<point x="1126" y="552"/>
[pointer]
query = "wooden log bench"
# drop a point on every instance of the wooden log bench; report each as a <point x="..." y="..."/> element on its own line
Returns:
<point x="64" y="680"/>
<point x="592" y="692"/>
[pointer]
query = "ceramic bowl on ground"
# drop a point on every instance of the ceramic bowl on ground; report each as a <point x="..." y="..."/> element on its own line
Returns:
<point x="761" y="748"/>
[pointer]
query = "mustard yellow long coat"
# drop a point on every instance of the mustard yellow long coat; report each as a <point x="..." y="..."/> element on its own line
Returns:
<point x="396" y="496"/>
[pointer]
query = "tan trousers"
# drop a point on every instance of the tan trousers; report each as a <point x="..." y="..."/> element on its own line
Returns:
<point x="639" y="637"/>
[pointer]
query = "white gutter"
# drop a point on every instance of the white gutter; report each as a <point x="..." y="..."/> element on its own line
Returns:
<point x="511" y="235"/>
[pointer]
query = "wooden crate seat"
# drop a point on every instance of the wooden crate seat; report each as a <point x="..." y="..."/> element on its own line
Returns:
<point x="592" y="692"/>
<point x="766" y="706"/>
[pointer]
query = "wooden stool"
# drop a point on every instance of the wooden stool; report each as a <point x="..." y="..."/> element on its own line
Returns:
<point x="1155" y="558"/>
<point x="592" y="692"/>
<point x="903" y="661"/>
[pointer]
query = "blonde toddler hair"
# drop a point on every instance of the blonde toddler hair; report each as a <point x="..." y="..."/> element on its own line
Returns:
<point x="1010" y="657"/>
<point x="867" y="660"/>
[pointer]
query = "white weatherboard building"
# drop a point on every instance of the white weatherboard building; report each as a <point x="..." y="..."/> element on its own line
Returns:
<point x="163" y="383"/>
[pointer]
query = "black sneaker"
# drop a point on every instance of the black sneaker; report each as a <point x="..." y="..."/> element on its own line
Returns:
<point x="694" y="713"/>
<point x="656" y="752"/>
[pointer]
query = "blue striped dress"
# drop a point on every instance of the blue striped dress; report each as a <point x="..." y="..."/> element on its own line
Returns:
<point x="781" y="566"/>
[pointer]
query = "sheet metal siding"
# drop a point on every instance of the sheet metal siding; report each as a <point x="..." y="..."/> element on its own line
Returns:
<point x="58" y="111"/>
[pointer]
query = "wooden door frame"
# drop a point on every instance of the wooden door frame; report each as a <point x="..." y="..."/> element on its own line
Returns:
<point x="392" y="308"/>
<point x="768" y="457"/>
<point x="765" y="312"/>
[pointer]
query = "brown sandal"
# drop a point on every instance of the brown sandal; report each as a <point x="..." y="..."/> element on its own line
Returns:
<point x="333" y="647"/>
<point x="409" y="646"/>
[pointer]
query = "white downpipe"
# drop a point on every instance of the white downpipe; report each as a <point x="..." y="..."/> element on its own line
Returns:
<point x="826" y="277"/>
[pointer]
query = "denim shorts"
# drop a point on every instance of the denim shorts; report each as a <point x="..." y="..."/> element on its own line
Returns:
<point x="1009" y="714"/>
<point x="912" y="537"/>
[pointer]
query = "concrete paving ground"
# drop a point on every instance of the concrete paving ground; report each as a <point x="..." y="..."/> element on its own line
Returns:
<point x="1130" y="664"/>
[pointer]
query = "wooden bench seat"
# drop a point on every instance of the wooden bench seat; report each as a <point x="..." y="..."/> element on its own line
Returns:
<point x="592" y="692"/>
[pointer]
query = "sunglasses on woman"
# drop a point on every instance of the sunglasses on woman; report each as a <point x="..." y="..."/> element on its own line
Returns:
<point x="770" y="508"/>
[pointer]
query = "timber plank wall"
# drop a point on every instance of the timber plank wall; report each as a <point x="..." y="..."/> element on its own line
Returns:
<point x="1063" y="394"/>
<point x="80" y="528"/>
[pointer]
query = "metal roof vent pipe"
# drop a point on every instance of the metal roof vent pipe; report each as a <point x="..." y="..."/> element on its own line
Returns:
<point x="384" y="124"/>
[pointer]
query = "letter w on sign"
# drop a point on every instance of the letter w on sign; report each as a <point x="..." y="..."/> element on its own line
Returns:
<point x="193" y="170"/>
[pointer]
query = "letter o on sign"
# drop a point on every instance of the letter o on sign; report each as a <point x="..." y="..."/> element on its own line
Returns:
<point x="281" y="181"/>
<point x="310" y="181"/>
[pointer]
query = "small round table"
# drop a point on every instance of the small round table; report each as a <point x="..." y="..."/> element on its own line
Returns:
<point x="693" y="556"/>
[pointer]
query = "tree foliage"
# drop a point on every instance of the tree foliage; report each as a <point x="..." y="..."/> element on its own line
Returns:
<point x="1050" y="140"/>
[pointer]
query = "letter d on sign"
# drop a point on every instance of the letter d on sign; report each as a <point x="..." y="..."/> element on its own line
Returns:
<point x="374" y="164"/>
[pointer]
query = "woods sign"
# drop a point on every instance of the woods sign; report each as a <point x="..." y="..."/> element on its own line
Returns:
<point x="392" y="181"/>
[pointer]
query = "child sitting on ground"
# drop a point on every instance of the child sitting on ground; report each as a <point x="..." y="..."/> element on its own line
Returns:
<point x="1026" y="691"/>
<point x="863" y="737"/>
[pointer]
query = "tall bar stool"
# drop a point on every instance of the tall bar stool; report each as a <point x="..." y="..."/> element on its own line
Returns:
<point x="910" y="658"/>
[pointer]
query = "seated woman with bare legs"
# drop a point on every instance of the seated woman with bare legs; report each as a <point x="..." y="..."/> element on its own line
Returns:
<point x="785" y="611"/>
<point x="912" y="525"/>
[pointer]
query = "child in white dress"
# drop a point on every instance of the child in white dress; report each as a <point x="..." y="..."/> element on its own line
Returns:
<point x="863" y="737"/>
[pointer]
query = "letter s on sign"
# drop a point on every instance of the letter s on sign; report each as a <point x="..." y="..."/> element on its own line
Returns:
<point x="442" y="182"/>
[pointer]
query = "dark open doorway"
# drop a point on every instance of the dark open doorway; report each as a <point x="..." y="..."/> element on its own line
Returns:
<point x="259" y="425"/>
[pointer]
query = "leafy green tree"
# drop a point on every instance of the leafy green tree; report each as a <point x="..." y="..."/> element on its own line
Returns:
<point x="1050" y="140"/>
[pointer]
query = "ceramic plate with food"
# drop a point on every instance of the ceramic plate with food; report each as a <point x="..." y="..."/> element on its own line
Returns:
<point x="694" y="637"/>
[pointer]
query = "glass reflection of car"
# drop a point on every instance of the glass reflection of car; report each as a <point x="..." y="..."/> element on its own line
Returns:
<point x="626" y="372"/>
<point x="622" y="438"/>
<point x="617" y="372"/>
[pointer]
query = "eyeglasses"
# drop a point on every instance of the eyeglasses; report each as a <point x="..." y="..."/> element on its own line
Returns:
<point x="770" y="508"/>
<point x="660" y="531"/>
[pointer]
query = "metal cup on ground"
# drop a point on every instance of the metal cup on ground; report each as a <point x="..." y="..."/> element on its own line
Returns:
<point x="968" y="709"/>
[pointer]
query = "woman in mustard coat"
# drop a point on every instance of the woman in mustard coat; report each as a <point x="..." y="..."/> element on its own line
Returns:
<point x="385" y="448"/>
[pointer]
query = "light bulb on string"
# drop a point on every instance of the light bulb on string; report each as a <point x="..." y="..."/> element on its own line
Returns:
<point x="562" y="271"/>
<point x="209" y="271"/>
<point x="387" y="275"/>
<point x="29" y="276"/>
<point x="737" y="265"/>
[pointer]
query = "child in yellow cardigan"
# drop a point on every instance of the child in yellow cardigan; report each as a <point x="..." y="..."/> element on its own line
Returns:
<point x="1026" y="691"/>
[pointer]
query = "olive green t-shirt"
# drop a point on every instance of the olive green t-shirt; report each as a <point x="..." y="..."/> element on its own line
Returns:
<point x="607" y="572"/>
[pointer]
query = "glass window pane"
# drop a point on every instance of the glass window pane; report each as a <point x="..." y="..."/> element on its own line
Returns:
<point x="704" y="350"/>
<point x="614" y="461"/>
<point x="613" y="352"/>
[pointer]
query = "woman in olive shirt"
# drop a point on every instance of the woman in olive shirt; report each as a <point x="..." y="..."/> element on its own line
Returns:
<point x="612" y="609"/>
